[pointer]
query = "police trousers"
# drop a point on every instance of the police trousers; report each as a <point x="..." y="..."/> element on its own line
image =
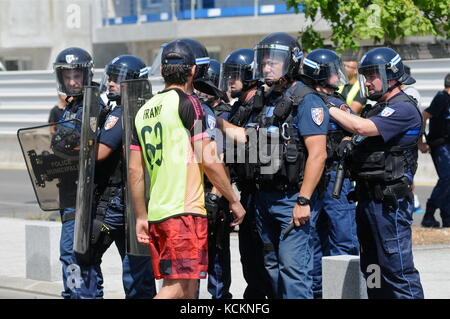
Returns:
<point x="86" y="282"/>
<point x="251" y="250"/>
<point x="335" y="229"/>
<point x="440" y="196"/>
<point x="288" y="259"/>
<point x="386" y="249"/>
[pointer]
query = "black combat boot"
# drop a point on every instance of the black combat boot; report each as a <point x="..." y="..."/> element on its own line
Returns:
<point x="445" y="219"/>
<point x="428" y="218"/>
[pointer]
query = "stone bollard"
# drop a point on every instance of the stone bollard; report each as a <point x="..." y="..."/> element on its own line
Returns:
<point x="42" y="251"/>
<point x="342" y="278"/>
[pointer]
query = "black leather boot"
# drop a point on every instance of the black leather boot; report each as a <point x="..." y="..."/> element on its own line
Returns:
<point x="428" y="218"/>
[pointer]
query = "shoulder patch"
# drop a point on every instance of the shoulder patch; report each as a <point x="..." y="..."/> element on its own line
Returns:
<point x="110" y="122"/>
<point x="387" y="111"/>
<point x="317" y="115"/>
<point x="211" y="121"/>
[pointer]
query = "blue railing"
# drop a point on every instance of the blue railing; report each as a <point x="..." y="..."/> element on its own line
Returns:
<point x="168" y="10"/>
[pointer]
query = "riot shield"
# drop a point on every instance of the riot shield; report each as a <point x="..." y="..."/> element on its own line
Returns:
<point x="51" y="154"/>
<point x="135" y="93"/>
<point x="85" y="190"/>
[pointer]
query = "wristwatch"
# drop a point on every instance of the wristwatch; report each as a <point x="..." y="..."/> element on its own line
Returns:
<point x="303" y="201"/>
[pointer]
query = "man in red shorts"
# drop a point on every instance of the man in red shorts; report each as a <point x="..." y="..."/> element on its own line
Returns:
<point x="172" y="141"/>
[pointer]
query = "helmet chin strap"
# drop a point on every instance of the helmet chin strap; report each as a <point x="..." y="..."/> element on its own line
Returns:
<point x="275" y="83"/>
<point x="378" y="95"/>
<point x="113" y="97"/>
<point x="236" y="94"/>
<point x="328" y="86"/>
<point x="208" y="101"/>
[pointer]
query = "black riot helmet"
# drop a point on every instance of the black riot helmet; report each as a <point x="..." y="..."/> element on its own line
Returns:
<point x="121" y="68"/>
<point x="201" y="81"/>
<point x="212" y="78"/>
<point x="73" y="69"/>
<point x="213" y="72"/>
<point x="237" y="72"/>
<point x="324" y="68"/>
<point x="385" y="64"/>
<point x="277" y="56"/>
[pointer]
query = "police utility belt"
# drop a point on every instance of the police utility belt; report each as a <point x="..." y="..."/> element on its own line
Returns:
<point x="389" y="193"/>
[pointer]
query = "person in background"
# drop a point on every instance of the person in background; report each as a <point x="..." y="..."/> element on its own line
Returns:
<point x="350" y="91"/>
<point x="438" y="144"/>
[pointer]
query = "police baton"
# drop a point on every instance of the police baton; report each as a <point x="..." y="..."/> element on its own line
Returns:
<point x="340" y="173"/>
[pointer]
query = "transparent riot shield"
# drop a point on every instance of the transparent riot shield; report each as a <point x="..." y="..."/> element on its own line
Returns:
<point x="135" y="93"/>
<point x="51" y="154"/>
<point x="85" y="190"/>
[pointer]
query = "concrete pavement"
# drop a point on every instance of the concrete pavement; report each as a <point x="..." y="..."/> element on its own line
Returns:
<point x="431" y="261"/>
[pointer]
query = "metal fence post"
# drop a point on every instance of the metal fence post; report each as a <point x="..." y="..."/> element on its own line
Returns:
<point x="193" y="9"/>
<point x="138" y="11"/>
<point x="174" y="10"/>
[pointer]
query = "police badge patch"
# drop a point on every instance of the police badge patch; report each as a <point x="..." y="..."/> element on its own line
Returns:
<point x="317" y="115"/>
<point x="387" y="111"/>
<point x="211" y="122"/>
<point x="110" y="122"/>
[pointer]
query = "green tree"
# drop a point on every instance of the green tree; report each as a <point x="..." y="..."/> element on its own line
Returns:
<point x="384" y="21"/>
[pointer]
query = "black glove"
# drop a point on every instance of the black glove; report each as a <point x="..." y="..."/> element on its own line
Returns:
<point x="212" y="207"/>
<point x="344" y="147"/>
<point x="103" y="115"/>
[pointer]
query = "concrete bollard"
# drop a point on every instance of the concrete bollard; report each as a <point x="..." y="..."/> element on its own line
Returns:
<point x="342" y="278"/>
<point x="42" y="251"/>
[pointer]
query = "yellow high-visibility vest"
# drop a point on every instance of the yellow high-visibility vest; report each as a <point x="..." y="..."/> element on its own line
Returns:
<point x="351" y="94"/>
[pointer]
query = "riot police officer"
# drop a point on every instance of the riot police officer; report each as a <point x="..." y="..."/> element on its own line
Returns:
<point x="73" y="70"/>
<point x="205" y="86"/>
<point x="219" y="257"/>
<point x="335" y="231"/>
<point x="438" y="143"/>
<point x="290" y="122"/>
<point x="237" y="80"/>
<point x="383" y="163"/>
<point x="138" y="281"/>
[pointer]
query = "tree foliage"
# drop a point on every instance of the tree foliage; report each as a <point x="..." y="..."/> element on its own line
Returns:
<point x="383" y="21"/>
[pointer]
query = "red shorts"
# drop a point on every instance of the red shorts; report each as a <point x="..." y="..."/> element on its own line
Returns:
<point x="179" y="247"/>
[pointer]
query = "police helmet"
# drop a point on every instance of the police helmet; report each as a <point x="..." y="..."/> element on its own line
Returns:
<point x="212" y="78"/>
<point x="386" y="64"/>
<point x="324" y="67"/>
<point x="237" y="66"/>
<point x="73" y="69"/>
<point x="121" y="68"/>
<point x="277" y="56"/>
<point x="202" y="61"/>
<point x="213" y="72"/>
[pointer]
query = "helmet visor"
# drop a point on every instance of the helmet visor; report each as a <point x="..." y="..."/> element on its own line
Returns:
<point x="72" y="78"/>
<point x="336" y="74"/>
<point x="271" y="61"/>
<point x="233" y="76"/>
<point x="119" y="73"/>
<point x="372" y="81"/>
